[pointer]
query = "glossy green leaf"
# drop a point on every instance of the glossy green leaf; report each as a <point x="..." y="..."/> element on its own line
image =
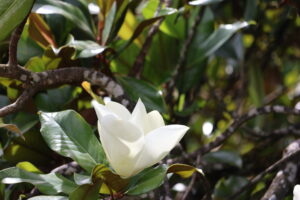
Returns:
<point x="140" y="89"/>
<point x="49" y="198"/>
<point x="69" y="11"/>
<point x="81" y="179"/>
<point x="147" y="180"/>
<point x="225" y="157"/>
<point x="12" y="13"/>
<point x="203" y="2"/>
<point x="86" y="192"/>
<point x="226" y="187"/>
<point x="68" y="134"/>
<point x="218" y="38"/>
<point x="109" y="20"/>
<point x="85" y="48"/>
<point x="47" y="183"/>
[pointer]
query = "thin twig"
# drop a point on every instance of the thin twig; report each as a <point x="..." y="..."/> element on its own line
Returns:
<point x="285" y="178"/>
<point x="270" y="169"/>
<point x="183" y="54"/>
<point x="138" y="65"/>
<point x="238" y="122"/>
<point x="13" y="45"/>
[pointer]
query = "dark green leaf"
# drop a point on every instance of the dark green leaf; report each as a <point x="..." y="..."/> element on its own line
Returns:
<point x="86" y="192"/>
<point x="218" y="38"/>
<point x="47" y="183"/>
<point x="68" y="134"/>
<point x="147" y="180"/>
<point x="227" y="187"/>
<point x="140" y="89"/>
<point x="226" y="157"/>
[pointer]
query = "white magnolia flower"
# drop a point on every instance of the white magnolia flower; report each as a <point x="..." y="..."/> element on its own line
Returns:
<point x="296" y="192"/>
<point x="137" y="140"/>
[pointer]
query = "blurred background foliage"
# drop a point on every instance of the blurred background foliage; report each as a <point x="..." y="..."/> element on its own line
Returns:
<point x="244" y="54"/>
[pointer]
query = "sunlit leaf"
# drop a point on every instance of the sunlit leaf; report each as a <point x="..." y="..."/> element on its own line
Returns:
<point x="68" y="134"/>
<point x="29" y="167"/>
<point x="47" y="183"/>
<point x="69" y="11"/>
<point x="183" y="170"/>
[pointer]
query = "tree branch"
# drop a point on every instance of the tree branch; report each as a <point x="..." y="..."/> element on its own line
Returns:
<point x="285" y="179"/>
<point x="35" y="82"/>
<point x="292" y="153"/>
<point x="137" y="68"/>
<point x="12" y="61"/>
<point x="239" y="121"/>
<point x="183" y="54"/>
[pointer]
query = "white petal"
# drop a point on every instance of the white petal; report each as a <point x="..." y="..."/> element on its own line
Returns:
<point x="158" y="143"/>
<point x="122" y="142"/>
<point x="296" y="192"/>
<point x="119" y="110"/>
<point x="101" y="110"/>
<point x="154" y="121"/>
<point x="139" y="115"/>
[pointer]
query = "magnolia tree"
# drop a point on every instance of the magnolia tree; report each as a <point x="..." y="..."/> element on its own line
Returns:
<point x="158" y="99"/>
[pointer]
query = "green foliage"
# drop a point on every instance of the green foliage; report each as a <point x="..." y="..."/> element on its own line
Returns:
<point x="243" y="54"/>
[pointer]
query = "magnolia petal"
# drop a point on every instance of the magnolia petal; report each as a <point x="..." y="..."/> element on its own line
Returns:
<point x="119" y="110"/>
<point x="139" y="116"/>
<point x="101" y="110"/>
<point x="154" y="121"/>
<point x="158" y="143"/>
<point x="123" y="143"/>
<point x="296" y="192"/>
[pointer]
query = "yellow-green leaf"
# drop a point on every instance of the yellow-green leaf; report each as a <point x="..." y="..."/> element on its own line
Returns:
<point x="183" y="170"/>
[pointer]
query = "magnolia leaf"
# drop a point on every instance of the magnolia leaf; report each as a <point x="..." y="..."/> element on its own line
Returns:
<point x="12" y="13"/>
<point x="109" y="179"/>
<point x="183" y="170"/>
<point x="68" y="134"/>
<point x="51" y="183"/>
<point x="151" y="96"/>
<point x="86" y="192"/>
<point x="40" y="31"/>
<point x="226" y="157"/>
<point x="217" y="39"/>
<point x="81" y="179"/>
<point x="27" y="166"/>
<point x="147" y="180"/>
<point x="69" y="11"/>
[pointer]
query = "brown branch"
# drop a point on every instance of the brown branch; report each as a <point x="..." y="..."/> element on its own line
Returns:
<point x="138" y="65"/>
<point x="291" y="156"/>
<point x="183" y="53"/>
<point x="285" y="179"/>
<point x="34" y="82"/>
<point x="12" y="61"/>
<point x="238" y="122"/>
